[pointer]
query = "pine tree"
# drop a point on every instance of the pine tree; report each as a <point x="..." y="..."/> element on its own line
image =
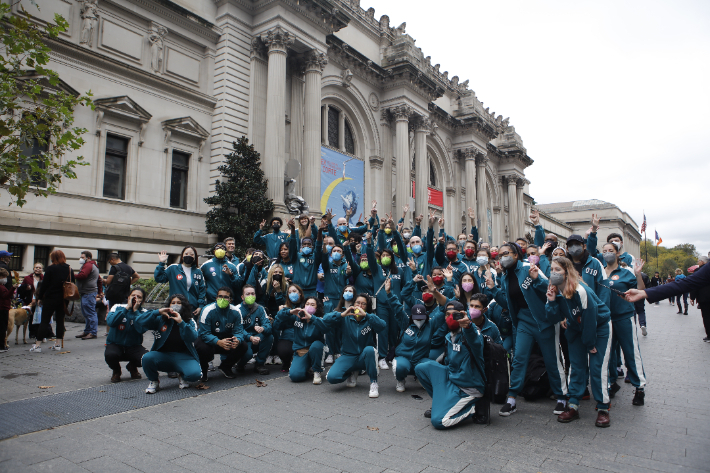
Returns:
<point x="239" y="203"/>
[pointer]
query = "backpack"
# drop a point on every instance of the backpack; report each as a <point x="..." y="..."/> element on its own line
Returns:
<point x="120" y="285"/>
<point x="537" y="383"/>
<point x="496" y="373"/>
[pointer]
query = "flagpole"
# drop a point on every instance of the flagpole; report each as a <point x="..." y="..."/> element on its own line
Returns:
<point x="656" y="250"/>
<point x="644" y="234"/>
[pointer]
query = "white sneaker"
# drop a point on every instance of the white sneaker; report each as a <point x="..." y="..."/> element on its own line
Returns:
<point x="352" y="380"/>
<point x="269" y="360"/>
<point x="210" y="367"/>
<point x="152" y="387"/>
<point x="374" y="390"/>
<point x="252" y="361"/>
<point x="182" y="384"/>
<point x="36" y="349"/>
<point x="329" y="360"/>
<point x="400" y="386"/>
<point x="644" y="331"/>
<point x="277" y="360"/>
<point x="383" y="364"/>
<point x="56" y="348"/>
<point x="316" y="378"/>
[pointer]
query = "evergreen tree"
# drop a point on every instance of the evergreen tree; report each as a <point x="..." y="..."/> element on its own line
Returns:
<point x="239" y="203"/>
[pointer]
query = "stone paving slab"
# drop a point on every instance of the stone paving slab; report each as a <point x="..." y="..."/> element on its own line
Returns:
<point x="300" y="427"/>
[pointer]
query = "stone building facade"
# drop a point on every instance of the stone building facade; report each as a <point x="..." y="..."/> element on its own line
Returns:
<point x="175" y="82"/>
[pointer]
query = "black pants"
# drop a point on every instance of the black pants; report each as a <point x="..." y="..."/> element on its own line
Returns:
<point x="4" y="316"/>
<point x="706" y="318"/>
<point x="206" y="353"/>
<point x="51" y="308"/>
<point x="284" y="348"/>
<point x="115" y="353"/>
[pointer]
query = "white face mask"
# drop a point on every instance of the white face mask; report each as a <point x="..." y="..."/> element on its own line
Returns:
<point x="82" y="261"/>
<point x="176" y="307"/>
<point x="3" y="281"/>
<point x="419" y="323"/>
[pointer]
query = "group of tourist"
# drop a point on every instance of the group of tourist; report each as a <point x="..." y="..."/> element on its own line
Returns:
<point x="378" y="296"/>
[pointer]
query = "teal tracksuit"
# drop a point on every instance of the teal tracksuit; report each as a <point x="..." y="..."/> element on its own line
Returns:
<point x="187" y="363"/>
<point x="305" y="267"/>
<point x="383" y="309"/>
<point x="216" y="278"/>
<point x="255" y="316"/>
<point x="335" y="278"/>
<point x="175" y="275"/>
<point x="124" y="332"/>
<point x="593" y="251"/>
<point x="342" y="237"/>
<point x="490" y="330"/>
<point x="531" y="326"/>
<point x="271" y="241"/>
<point x="357" y="345"/>
<point x="363" y="280"/>
<point x="217" y="324"/>
<point x="455" y="388"/>
<point x="588" y="327"/>
<point x="457" y="265"/>
<point x="307" y="335"/>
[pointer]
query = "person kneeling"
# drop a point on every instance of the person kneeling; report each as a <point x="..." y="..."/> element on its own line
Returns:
<point x="309" y="331"/>
<point x="221" y="331"/>
<point x="124" y="342"/>
<point x="258" y="329"/>
<point x="455" y="388"/>
<point x="175" y="331"/>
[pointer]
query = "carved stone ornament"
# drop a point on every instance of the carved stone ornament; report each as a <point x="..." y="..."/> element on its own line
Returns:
<point x="278" y="39"/>
<point x="347" y="76"/>
<point x="374" y="102"/>
<point x="155" y="39"/>
<point x="257" y="48"/>
<point x="315" y="60"/>
<point x="89" y="18"/>
<point x="295" y="204"/>
<point x="401" y="112"/>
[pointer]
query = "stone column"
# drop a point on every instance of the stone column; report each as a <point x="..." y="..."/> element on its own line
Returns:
<point x="521" y="207"/>
<point x="374" y="187"/>
<point x="383" y="195"/>
<point x="482" y="201"/>
<point x="452" y="226"/>
<point x="257" y="96"/>
<point x="469" y="155"/>
<point x="278" y="41"/>
<point x="421" y="200"/>
<point x="324" y="124"/>
<point x="404" y="184"/>
<point x="341" y="132"/>
<point x="297" y="130"/>
<point x="315" y="61"/>
<point x="512" y="208"/>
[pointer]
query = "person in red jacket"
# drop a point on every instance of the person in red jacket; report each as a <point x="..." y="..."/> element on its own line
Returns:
<point x="89" y="283"/>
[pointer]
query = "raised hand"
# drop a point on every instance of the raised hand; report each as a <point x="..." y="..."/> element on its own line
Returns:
<point x="535" y="217"/>
<point x="329" y="215"/>
<point x="374" y="205"/>
<point x="405" y="209"/>
<point x="534" y="271"/>
<point x="448" y="273"/>
<point x="490" y="284"/>
<point x="638" y="265"/>
<point x="430" y="284"/>
<point x="418" y="220"/>
<point x="432" y="219"/>
<point x="262" y="225"/>
<point x="348" y="214"/>
<point x="471" y="214"/>
<point x="595" y="221"/>
<point x="348" y="270"/>
<point x="418" y="278"/>
<point x="589" y="230"/>
<point x="551" y="292"/>
<point x="311" y="219"/>
<point x="291" y="223"/>
<point x="441" y="222"/>
<point x="163" y="257"/>
<point x="457" y="291"/>
<point x="368" y="237"/>
<point x="412" y="264"/>
<point x="388" y="285"/>
<point x="545" y="247"/>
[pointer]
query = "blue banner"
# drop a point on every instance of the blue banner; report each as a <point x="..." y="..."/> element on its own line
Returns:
<point x="340" y="190"/>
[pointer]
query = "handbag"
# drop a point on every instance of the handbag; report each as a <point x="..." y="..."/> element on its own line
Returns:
<point x="71" y="292"/>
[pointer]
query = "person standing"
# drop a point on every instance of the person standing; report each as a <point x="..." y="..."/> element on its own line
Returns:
<point x="218" y="272"/>
<point x="4" y="264"/>
<point x="656" y="281"/>
<point x="701" y="295"/>
<point x="27" y="290"/>
<point x="679" y="276"/>
<point x="231" y="246"/>
<point x="51" y="293"/>
<point x="5" y="299"/>
<point x="88" y="281"/>
<point x="271" y="241"/>
<point x="119" y="280"/>
<point x="184" y="277"/>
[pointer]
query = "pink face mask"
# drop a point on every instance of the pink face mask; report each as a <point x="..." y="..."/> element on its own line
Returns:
<point x="467" y="286"/>
<point x="534" y="259"/>
<point x="310" y="309"/>
<point x="474" y="313"/>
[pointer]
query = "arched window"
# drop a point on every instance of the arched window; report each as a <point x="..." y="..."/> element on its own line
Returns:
<point x="349" y="141"/>
<point x="432" y="173"/>
<point x="334" y="139"/>
<point x="333" y="127"/>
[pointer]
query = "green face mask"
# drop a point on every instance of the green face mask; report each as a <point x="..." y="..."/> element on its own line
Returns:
<point x="364" y="265"/>
<point x="386" y="260"/>
<point x="249" y="300"/>
<point x="222" y="303"/>
<point x="388" y="231"/>
<point x="409" y="250"/>
<point x="395" y="248"/>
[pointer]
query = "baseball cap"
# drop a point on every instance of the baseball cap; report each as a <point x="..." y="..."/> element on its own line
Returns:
<point x="5" y="253"/>
<point x="455" y="305"/>
<point x="419" y="312"/>
<point x="575" y="237"/>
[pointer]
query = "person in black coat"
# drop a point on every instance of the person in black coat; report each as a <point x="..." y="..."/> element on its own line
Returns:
<point x="51" y="293"/>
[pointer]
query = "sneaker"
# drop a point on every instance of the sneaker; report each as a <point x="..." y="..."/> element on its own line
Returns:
<point x="686" y="312"/>
<point x="269" y="360"/>
<point x="336" y="356"/>
<point x="374" y="389"/>
<point x="568" y="416"/>
<point x="613" y="389"/>
<point x="400" y="386"/>
<point x="89" y="336"/>
<point x="227" y="372"/>
<point x="4" y="350"/>
<point x="210" y="367"/>
<point x="153" y="386"/>
<point x="383" y="364"/>
<point x="182" y="384"/>
<point x="619" y="372"/>
<point x="239" y="369"/>
<point x="261" y="369"/>
<point x="626" y="378"/>
<point x="352" y="380"/>
<point x="586" y="396"/>
<point x="36" y="349"/>
<point x="507" y="409"/>
<point x="252" y="361"/>
<point x="81" y="335"/>
<point x="680" y="313"/>
<point x="427" y="413"/>
<point x="277" y="360"/>
<point x="56" y="348"/>
<point x="172" y="374"/>
<point x="560" y="408"/>
<point x="204" y="378"/>
<point x="116" y="378"/>
<point x="316" y="378"/>
<point x="706" y="339"/>
<point x="644" y="331"/>
<point x="638" y="398"/>
<point x="329" y="360"/>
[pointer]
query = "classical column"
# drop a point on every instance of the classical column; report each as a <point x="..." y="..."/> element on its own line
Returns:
<point x="277" y="40"/>
<point x="324" y="124"/>
<point x="421" y="200"/>
<point x="384" y="194"/>
<point x="452" y="226"/>
<point x="521" y="207"/>
<point x="482" y="201"/>
<point x="469" y="155"/>
<point x="513" y="227"/>
<point x="374" y="187"/>
<point x="295" y="149"/>
<point x="257" y="95"/>
<point x="315" y="61"/>
<point x="341" y="131"/>
<point x="404" y="183"/>
<point x="497" y="232"/>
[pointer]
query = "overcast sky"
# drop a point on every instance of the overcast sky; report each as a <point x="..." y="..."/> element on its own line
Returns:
<point x="611" y="98"/>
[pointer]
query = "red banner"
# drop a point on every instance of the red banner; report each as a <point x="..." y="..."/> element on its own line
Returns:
<point x="434" y="197"/>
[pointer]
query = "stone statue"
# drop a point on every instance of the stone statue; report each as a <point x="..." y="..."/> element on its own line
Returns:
<point x="156" y="47"/>
<point x="89" y="15"/>
<point x="295" y="204"/>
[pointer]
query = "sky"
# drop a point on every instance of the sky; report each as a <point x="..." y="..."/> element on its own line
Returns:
<point x="611" y="98"/>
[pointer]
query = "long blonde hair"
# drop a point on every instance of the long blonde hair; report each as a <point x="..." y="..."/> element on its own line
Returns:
<point x="571" y="273"/>
<point x="270" y="278"/>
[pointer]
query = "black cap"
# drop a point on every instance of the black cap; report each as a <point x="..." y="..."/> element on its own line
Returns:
<point x="218" y="245"/>
<point x="575" y="237"/>
<point x="306" y="240"/>
<point x="281" y="222"/>
<point x="419" y="312"/>
<point x="455" y="305"/>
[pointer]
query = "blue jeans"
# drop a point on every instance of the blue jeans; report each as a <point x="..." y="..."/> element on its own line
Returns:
<point x="88" y="308"/>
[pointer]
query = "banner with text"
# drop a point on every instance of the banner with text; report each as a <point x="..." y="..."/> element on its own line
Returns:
<point x="434" y="197"/>
<point x="340" y="190"/>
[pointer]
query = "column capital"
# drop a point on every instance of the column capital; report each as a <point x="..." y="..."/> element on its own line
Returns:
<point x="315" y="61"/>
<point x="521" y="181"/>
<point x="385" y="117"/>
<point x="422" y="125"/>
<point x="469" y="154"/>
<point x="257" y="50"/>
<point x="278" y="39"/>
<point x="376" y="162"/>
<point x="512" y="179"/>
<point x="481" y="159"/>
<point x="401" y="112"/>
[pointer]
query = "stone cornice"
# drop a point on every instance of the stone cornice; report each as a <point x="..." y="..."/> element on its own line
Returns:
<point x="512" y="154"/>
<point x="177" y="15"/>
<point x="323" y="14"/>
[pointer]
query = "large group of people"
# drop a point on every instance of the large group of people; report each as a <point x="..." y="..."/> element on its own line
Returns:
<point x="376" y="296"/>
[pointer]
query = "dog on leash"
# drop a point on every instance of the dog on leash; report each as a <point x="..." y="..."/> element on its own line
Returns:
<point x="18" y="318"/>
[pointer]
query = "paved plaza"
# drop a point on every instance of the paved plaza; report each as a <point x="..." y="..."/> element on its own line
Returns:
<point x="88" y="424"/>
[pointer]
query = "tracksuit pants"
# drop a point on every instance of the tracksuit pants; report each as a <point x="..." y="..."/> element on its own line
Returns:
<point x="384" y="337"/>
<point x="625" y="337"/>
<point x="114" y="353"/>
<point x="346" y="364"/>
<point x="229" y="357"/>
<point x="262" y="350"/>
<point x="547" y="340"/>
<point x="590" y="366"/>
<point x="313" y="359"/>
<point x="508" y="344"/>
<point x="640" y="309"/>
<point x="449" y="404"/>
<point x="402" y="367"/>
<point x="88" y="310"/>
<point x="171" y="362"/>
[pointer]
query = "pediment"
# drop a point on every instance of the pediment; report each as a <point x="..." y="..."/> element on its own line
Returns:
<point x="186" y="126"/>
<point x="124" y="107"/>
<point x="43" y="80"/>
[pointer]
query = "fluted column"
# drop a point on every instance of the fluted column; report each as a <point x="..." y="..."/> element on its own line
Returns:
<point x="521" y="207"/>
<point x="315" y="61"/>
<point x="512" y="208"/>
<point x="257" y="95"/>
<point x="384" y="195"/>
<point x="404" y="184"/>
<point x="277" y="40"/>
<point x="469" y="155"/>
<point x="341" y="132"/>
<point x="452" y="226"/>
<point x="421" y="199"/>
<point x="295" y="149"/>
<point x="324" y="124"/>
<point x="482" y="201"/>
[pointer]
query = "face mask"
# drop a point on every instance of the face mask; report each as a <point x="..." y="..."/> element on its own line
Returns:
<point x="278" y="277"/>
<point x="310" y="309"/>
<point x="359" y="313"/>
<point x="438" y="280"/>
<point x="388" y="231"/>
<point x="534" y="259"/>
<point x="507" y="262"/>
<point x="575" y="250"/>
<point x="343" y="228"/>
<point x="409" y="249"/>
<point x="386" y="260"/>
<point x="494" y="254"/>
<point x="3" y="281"/>
<point x="609" y="257"/>
<point x="219" y="253"/>
<point x="474" y="313"/>
<point x="395" y="248"/>
<point x="188" y="260"/>
<point x="407" y="235"/>
<point x="348" y="296"/>
<point x="427" y="297"/>
<point x="417" y="249"/>
<point x="249" y="300"/>
<point x="276" y="226"/>
<point x="328" y="248"/>
<point x="224" y="303"/>
<point x="553" y="244"/>
<point x="467" y="286"/>
<point x="294" y="296"/>
<point x="337" y="256"/>
<point x="419" y="323"/>
<point x="176" y="307"/>
<point x="364" y="265"/>
<point x="468" y="252"/>
<point x="451" y="255"/>
<point x="82" y="261"/>
<point x="482" y="260"/>
<point x="557" y="279"/>
<point x="452" y="324"/>
<point x="306" y="250"/>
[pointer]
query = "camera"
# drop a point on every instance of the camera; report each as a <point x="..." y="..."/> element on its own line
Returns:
<point x="458" y="315"/>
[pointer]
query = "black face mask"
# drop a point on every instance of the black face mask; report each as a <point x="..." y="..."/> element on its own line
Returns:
<point x="188" y="260"/>
<point x="276" y="226"/>
<point x="553" y="244"/>
<point x="277" y="277"/>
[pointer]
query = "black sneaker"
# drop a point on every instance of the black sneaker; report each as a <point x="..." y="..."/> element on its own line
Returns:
<point x="507" y="409"/>
<point x="204" y="378"/>
<point x="427" y="413"/>
<point x="638" y="398"/>
<point x="620" y="372"/>
<point x="706" y="339"/>
<point x="261" y="369"/>
<point x="559" y="408"/>
<point x="239" y="369"/>
<point x="613" y="389"/>
<point x="480" y="419"/>
<point x="227" y="372"/>
<point x="172" y="374"/>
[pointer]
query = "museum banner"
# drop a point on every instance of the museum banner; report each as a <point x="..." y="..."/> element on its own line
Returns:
<point x="342" y="184"/>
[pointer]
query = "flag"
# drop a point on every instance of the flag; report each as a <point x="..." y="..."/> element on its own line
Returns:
<point x="643" y="225"/>
<point x="657" y="235"/>
<point x="660" y="240"/>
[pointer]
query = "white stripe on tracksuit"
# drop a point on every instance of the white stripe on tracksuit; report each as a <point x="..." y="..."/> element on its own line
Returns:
<point x="560" y="368"/>
<point x="455" y="411"/>
<point x="605" y="368"/>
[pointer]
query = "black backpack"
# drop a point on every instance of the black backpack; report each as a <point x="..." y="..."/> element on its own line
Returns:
<point x="120" y="285"/>
<point x="495" y="371"/>
<point x="537" y="383"/>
